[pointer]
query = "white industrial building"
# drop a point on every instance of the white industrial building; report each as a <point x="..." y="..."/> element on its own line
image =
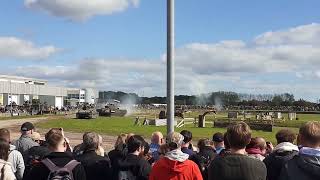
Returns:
<point x="20" y="89"/>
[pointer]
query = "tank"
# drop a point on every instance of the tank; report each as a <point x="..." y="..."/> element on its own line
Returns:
<point x="112" y="109"/>
<point x="87" y="112"/>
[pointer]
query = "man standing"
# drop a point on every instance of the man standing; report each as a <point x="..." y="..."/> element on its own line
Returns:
<point x="175" y="164"/>
<point x="25" y="142"/>
<point x="237" y="165"/>
<point x="187" y="146"/>
<point x="282" y="153"/>
<point x="218" y="142"/>
<point x="306" y="165"/>
<point x="15" y="157"/>
<point x="156" y="142"/>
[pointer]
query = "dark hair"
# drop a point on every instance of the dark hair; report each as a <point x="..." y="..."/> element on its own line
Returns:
<point x="187" y="135"/>
<point x="134" y="143"/>
<point x="4" y="149"/>
<point x="226" y="142"/>
<point x="5" y="134"/>
<point x="54" y="137"/>
<point x="310" y="132"/>
<point x="91" y="141"/>
<point x="239" y="135"/>
<point x="285" y="135"/>
<point x="146" y="148"/>
<point x="202" y="143"/>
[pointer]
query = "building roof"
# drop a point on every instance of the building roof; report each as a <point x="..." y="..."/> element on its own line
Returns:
<point x="21" y="78"/>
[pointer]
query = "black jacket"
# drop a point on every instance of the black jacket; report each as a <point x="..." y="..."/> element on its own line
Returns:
<point x="41" y="172"/>
<point x="275" y="161"/>
<point x="302" y="167"/>
<point x="33" y="156"/>
<point x="115" y="157"/>
<point x="138" y="166"/>
<point x="203" y="160"/>
<point x="96" y="167"/>
<point x="237" y="167"/>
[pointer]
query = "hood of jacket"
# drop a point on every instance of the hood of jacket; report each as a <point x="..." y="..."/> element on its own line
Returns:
<point x="177" y="155"/>
<point x="12" y="147"/>
<point x="309" y="164"/>
<point x="286" y="146"/>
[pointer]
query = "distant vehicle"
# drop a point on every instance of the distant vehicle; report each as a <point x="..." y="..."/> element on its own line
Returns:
<point x="87" y="112"/>
<point x="112" y="109"/>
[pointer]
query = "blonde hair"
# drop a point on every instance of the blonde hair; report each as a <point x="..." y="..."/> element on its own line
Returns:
<point x="310" y="132"/>
<point x="121" y="141"/>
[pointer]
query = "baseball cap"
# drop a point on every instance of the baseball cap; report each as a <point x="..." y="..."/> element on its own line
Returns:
<point x="27" y="126"/>
<point x="174" y="139"/>
<point x="217" y="137"/>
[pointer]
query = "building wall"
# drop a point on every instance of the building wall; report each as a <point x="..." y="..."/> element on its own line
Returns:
<point x="50" y="100"/>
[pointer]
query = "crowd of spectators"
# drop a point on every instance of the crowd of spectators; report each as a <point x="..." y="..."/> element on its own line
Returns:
<point x="234" y="155"/>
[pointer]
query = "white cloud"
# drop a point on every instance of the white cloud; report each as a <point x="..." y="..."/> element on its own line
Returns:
<point x="80" y="10"/>
<point x="12" y="47"/>
<point x="273" y="66"/>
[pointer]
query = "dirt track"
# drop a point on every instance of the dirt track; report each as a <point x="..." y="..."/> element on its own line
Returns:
<point x="75" y="138"/>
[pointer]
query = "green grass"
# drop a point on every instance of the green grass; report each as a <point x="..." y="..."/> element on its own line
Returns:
<point x="117" y="125"/>
<point x="20" y="117"/>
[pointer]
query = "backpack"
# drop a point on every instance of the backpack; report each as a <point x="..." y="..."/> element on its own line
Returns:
<point x="204" y="163"/>
<point x="60" y="173"/>
<point x="126" y="175"/>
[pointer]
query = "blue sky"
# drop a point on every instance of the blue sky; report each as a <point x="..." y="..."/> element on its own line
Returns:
<point x="84" y="45"/>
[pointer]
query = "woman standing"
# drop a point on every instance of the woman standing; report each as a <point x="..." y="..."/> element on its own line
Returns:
<point x="5" y="167"/>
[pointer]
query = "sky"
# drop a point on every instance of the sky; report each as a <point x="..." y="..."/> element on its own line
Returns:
<point x="244" y="46"/>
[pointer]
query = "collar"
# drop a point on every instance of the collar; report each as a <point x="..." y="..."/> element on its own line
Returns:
<point x="310" y="151"/>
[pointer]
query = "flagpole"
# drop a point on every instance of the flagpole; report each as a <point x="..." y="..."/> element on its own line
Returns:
<point x="170" y="66"/>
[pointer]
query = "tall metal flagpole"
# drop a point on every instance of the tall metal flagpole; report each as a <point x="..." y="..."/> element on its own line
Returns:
<point x="170" y="66"/>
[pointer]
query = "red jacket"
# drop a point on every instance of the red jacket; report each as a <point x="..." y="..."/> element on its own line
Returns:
<point x="166" y="169"/>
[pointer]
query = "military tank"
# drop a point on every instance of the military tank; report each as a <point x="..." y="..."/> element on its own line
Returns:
<point x="112" y="109"/>
<point x="87" y="112"/>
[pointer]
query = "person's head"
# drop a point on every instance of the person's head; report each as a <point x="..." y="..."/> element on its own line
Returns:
<point x="56" y="141"/>
<point x="120" y="142"/>
<point x="309" y="135"/>
<point x="4" y="149"/>
<point x="36" y="137"/>
<point x="285" y="135"/>
<point x="157" y="138"/>
<point x="5" y="134"/>
<point x="91" y="141"/>
<point x="129" y="135"/>
<point x="136" y="145"/>
<point x="203" y="143"/>
<point x="187" y="135"/>
<point x="258" y="143"/>
<point x="174" y="141"/>
<point x="27" y="128"/>
<point x="218" y="140"/>
<point x="239" y="135"/>
<point x="100" y="140"/>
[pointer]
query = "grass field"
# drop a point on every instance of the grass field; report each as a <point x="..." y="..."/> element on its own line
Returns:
<point x="20" y="117"/>
<point x="117" y="125"/>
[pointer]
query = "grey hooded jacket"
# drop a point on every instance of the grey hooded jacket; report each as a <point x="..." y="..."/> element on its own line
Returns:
<point x="16" y="160"/>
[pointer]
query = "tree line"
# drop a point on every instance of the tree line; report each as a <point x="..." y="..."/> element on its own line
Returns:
<point x="222" y="98"/>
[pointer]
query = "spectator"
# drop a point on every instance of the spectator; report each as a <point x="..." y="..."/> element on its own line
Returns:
<point x="134" y="166"/>
<point x="24" y="143"/>
<point x="58" y="158"/>
<point x="156" y="142"/>
<point x="218" y="142"/>
<point x="15" y="157"/>
<point x="227" y="147"/>
<point x="283" y="152"/>
<point x="96" y="166"/>
<point x="204" y="157"/>
<point x="117" y="154"/>
<point x="237" y="165"/>
<point x="306" y="165"/>
<point x="175" y="165"/>
<point x="36" y="153"/>
<point x="6" y="172"/>
<point x="257" y="148"/>
<point x="187" y="146"/>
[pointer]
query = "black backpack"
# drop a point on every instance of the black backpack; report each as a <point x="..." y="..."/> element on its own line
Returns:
<point x="60" y="173"/>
